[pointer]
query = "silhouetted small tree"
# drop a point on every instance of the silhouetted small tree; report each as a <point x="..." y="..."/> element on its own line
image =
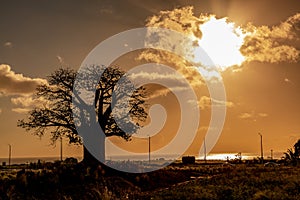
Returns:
<point x="292" y="154"/>
<point x="297" y="148"/>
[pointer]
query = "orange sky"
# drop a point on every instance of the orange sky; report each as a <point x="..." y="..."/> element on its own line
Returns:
<point x="38" y="37"/>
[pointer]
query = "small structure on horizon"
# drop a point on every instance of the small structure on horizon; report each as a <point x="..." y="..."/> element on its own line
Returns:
<point x="188" y="159"/>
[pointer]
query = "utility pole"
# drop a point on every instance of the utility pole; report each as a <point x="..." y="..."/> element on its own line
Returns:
<point x="204" y="150"/>
<point x="261" y="148"/>
<point x="149" y="148"/>
<point x="9" y="155"/>
<point x="271" y="154"/>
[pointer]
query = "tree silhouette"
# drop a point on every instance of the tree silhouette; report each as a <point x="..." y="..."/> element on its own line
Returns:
<point x="297" y="148"/>
<point x="292" y="155"/>
<point x="56" y="116"/>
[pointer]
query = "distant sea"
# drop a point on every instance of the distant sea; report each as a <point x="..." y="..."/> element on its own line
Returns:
<point x="212" y="156"/>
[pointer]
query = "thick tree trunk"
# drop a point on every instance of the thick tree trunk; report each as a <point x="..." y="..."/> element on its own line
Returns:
<point x="99" y="150"/>
<point x="88" y="158"/>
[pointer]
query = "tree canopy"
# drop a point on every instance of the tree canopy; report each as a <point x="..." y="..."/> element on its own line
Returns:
<point x="55" y="115"/>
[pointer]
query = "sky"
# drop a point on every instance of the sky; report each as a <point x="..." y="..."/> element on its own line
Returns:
<point x="262" y="87"/>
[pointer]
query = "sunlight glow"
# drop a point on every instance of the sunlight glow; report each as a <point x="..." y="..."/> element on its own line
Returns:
<point x="225" y="156"/>
<point x="222" y="42"/>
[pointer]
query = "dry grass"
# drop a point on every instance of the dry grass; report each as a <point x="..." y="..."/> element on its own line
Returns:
<point x="174" y="182"/>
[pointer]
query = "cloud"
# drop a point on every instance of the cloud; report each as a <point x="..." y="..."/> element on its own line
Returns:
<point x="190" y="72"/>
<point x="60" y="59"/>
<point x="181" y="20"/>
<point x="17" y="84"/>
<point x="252" y="115"/>
<point x="206" y="102"/>
<point x="263" y="114"/>
<point x="8" y="44"/>
<point x="21" y="110"/>
<point x="246" y="116"/>
<point x="219" y="38"/>
<point x="253" y="43"/>
<point x="26" y="103"/>
<point x="165" y="91"/>
<point x="288" y="81"/>
<point x="175" y="83"/>
<point x="23" y="87"/>
<point x="172" y="79"/>
<point x="273" y="44"/>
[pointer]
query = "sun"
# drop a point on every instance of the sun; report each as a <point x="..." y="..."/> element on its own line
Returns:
<point x="222" y="41"/>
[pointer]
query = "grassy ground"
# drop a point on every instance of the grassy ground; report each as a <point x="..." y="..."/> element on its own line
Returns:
<point x="174" y="182"/>
<point x="238" y="182"/>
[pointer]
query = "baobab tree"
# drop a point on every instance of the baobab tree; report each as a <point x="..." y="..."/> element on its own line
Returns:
<point x="56" y="117"/>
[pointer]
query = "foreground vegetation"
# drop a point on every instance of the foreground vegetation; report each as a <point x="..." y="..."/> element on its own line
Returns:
<point x="77" y="181"/>
<point x="177" y="181"/>
<point x="240" y="182"/>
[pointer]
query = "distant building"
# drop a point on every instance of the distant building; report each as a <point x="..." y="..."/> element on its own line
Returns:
<point x="188" y="159"/>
